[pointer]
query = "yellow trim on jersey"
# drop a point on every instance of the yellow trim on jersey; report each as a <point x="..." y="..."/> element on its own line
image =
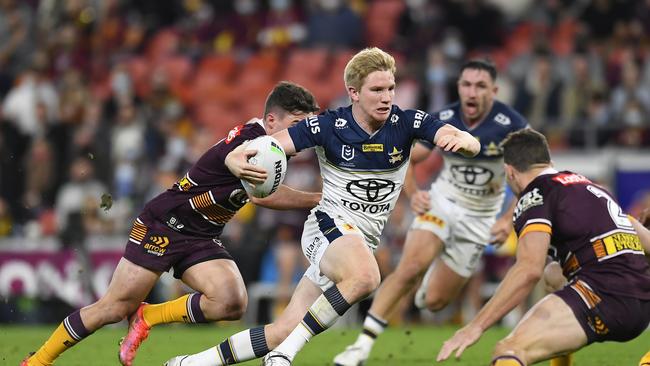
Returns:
<point x="538" y="227"/>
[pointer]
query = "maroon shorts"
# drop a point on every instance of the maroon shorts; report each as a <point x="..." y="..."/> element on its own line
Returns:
<point x="154" y="246"/>
<point x="606" y="317"/>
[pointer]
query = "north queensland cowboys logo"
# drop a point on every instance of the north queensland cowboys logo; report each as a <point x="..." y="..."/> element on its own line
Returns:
<point x="446" y="114"/>
<point x="371" y="190"/>
<point x="502" y="119"/>
<point x="472" y="174"/>
<point x="347" y="152"/>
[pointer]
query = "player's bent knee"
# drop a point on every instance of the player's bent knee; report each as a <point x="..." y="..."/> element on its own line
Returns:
<point x="234" y="310"/>
<point x="365" y="283"/>
<point x="435" y="303"/>
<point x="507" y="347"/>
<point x="227" y="307"/>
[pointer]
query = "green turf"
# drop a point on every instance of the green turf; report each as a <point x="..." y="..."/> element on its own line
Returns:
<point x="397" y="346"/>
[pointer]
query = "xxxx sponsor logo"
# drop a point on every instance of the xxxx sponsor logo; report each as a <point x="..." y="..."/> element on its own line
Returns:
<point x="157" y="245"/>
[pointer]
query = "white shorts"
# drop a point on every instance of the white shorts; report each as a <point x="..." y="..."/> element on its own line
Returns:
<point x="319" y="231"/>
<point x="464" y="236"/>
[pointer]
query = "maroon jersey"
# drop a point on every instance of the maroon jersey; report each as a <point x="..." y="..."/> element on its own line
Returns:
<point x="590" y="235"/>
<point x="208" y="196"/>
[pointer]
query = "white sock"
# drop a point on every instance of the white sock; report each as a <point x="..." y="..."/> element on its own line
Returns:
<point x="209" y="357"/>
<point x="322" y="314"/>
<point x="295" y="341"/>
<point x="243" y="346"/>
<point x="373" y="326"/>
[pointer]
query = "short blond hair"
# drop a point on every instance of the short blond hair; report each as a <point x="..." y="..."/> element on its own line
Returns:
<point x="364" y="63"/>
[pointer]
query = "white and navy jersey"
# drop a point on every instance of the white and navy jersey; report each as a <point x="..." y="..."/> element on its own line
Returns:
<point x="477" y="184"/>
<point x="363" y="174"/>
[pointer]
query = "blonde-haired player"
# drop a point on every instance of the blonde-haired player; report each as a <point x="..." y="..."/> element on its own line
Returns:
<point x="363" y="152"/>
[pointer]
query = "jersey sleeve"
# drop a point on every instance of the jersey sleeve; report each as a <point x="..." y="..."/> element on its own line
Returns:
<point x="534" y="211"/>
<point x="425" y="126"/>
<point x="309" y="132"/>
<point x="519" y="122"/>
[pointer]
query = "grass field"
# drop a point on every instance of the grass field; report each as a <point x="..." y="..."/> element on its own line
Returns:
<point x="398" y="346"/>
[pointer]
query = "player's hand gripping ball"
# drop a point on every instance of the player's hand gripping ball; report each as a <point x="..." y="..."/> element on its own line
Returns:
<point x="271" y="157"/>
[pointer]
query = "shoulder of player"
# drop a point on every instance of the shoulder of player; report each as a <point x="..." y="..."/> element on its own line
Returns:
<point x="248" y="131"/>
<point x="537" y="194"/>
<point x="409" y="115"/>
<point x="329" y="118"/>
<point x="567" y="178"/>
<point x="448" y="113"/>
<point x="507" y="116"/>
<point x="547" y="184"/>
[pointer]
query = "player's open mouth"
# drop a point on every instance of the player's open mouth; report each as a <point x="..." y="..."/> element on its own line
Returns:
<point x="471" y="107"/>
<point x="383" y="110"/>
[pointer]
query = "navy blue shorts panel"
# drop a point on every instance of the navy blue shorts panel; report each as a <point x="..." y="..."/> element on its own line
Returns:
<point x="606" y="317"/>
<point x="154" y="246"/>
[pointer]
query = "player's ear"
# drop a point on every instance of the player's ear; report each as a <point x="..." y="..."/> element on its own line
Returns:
<point x="270" y="120"/>
<point x="509" y="170"/>
<point x="353" y="93"/>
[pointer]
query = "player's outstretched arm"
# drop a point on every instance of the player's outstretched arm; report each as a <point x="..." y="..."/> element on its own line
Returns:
<point x="287" y="198"/>
<point x="515" y="287"/>
<point x="449" y="138"/>
<point x="286" y="142"/>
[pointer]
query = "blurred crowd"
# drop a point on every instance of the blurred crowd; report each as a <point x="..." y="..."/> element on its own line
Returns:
<point x="105" y="103"/>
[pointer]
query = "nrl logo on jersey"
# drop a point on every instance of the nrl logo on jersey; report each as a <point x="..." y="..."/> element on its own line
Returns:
<point x="393" y="119"/>
<point x="446" y="114"/>
<point x="340" y="123"/>
<point x="347" y="152"/>
<point x="175" y="223"/>
<point x="395" y="156"/>
<point x="502" y="119"/>
<point x="530" y="199"/>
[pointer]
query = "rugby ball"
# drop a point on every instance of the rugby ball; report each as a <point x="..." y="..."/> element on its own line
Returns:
<point x="271" y="157"/>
